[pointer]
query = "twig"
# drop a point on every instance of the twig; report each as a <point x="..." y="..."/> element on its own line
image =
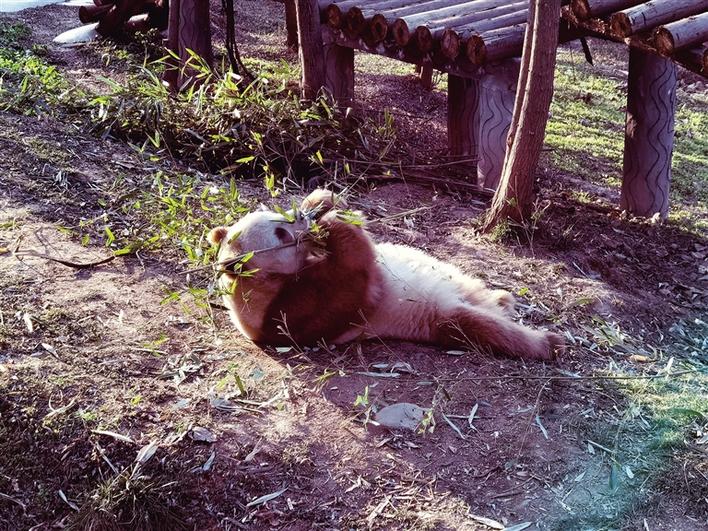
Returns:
<point x="68" y="263"/>
<point x="14" y="500"/>
<point x="568" y="378"/>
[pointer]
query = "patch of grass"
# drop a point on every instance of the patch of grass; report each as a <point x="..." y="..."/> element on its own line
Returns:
<point x="13" y="34"/>
<point x="586" y="132"/>
<point x="28" y="84"/>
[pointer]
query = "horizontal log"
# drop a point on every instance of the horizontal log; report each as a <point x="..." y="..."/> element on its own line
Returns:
<point x="695" y="59"/>
<point x="400" y="29"/>
<point x="495" y="44"/>
<point x="503" y="21"/>
<point x="654" y="13"/>
<point x="459" y="22"/>
<point x="681" y="34"/>
<point x="333" y="13"/>
<point x="93" y="13"/>
<point x="585" y="9"/>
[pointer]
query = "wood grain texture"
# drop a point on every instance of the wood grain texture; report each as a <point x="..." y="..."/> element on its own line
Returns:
<point x="649" y="134"/>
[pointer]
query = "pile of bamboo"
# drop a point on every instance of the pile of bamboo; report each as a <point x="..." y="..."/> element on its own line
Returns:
<point x="674" y="28"/>
<point x="113" y="16"/>
<point x="481" y="30"/>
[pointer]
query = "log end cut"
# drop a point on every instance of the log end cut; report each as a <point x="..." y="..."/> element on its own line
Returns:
<point x="354" y="22"/>
<point x="664" y="41"/>
<point x="620" y="24"/>
<point x="378" y="27"/>
<point x="476" y="50"/>
<point x="450" y="44"/>
<point x="581" y="9"/>
<point x="333" y="16"/>
<point x="424" y="39"/>
<point x="401" y="33"/>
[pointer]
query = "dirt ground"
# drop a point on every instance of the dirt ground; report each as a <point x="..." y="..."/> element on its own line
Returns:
<point x="97" y="363"/>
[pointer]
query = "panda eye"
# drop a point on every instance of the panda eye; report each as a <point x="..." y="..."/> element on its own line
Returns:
<point x="283" y="235"/>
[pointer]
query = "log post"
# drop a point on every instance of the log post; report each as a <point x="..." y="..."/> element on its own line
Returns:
<point x="426" y="76"/>
<point x="339" y="73"/>
<point x="311" y="51"/>
<point x="496" y="107"/>
<point x="649" y="134"/>
<point x="462" y="117"/>
<point x="291" y="24"/>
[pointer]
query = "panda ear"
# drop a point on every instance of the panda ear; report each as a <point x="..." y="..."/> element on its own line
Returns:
<point x="216" y="235"/>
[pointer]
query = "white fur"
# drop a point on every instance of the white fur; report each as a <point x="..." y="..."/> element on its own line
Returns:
<point x="417" y="291"/>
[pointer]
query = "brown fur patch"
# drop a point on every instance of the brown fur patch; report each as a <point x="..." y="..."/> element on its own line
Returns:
<point x="328" y="297"/>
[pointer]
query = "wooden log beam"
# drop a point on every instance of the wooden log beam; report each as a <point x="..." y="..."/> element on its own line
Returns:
<point x="585" y="9"/>
<point x="649" y="134"/>
<point x="93" y="13"/>
<point x="504" y="21"/>
<point x="401" y="27"/>
<point x="652" y="14"/>
<point x="495" y="45"/>
<point x="333" y="13"/>
<point x="683" y="33"/>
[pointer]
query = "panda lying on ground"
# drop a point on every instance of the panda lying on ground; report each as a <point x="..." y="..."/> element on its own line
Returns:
<point x="294" y="291"/>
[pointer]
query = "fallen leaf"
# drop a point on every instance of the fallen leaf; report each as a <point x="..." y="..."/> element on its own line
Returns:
<point x="453" y="426"/>
<point x="518" y="527"/>
<point x="266" y="498"/>
<point x="28" y="322"/>
<point x="115" y="435"/>
<point x="470" y="418"/>
<point x="487" y="521"/>
<point x="146" y="453"/>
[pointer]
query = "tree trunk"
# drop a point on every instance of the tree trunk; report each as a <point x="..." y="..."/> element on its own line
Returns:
<point x="291" y="24"/>
<point x="189" y="31"/>
<point x="312" y="60"/>
<point x="514" y="197"/>
<point x="649" y="134"/>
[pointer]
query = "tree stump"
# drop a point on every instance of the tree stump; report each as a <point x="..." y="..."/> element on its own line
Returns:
<point x="496" y="107"/>
<point x="339" y="73"/>
<point x="649" y="134"/>
<point x="462" y="117"/>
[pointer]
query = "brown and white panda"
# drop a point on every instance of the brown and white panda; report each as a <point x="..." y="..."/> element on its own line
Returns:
<point x="297" y="292"/>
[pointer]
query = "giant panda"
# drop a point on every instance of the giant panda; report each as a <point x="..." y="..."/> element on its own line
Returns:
<point x="294" y="291"/>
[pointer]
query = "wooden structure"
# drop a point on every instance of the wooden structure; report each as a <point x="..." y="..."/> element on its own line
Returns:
<point x="477" y="43"/>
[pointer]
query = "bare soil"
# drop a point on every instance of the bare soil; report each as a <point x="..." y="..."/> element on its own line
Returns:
<point x="87" y="354"/>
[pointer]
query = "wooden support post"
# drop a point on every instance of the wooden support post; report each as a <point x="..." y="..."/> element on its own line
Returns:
<point x="311" y="52"/>
<point x="339" y="73"/>
<point x="462" y="118"/>
<point x="426" y="76"/>
<point x="496" y="106"/>
<point x="291" y="24"/>
<point x="649" y="134"/>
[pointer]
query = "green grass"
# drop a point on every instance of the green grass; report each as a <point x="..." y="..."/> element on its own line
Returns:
<point x="586" y="134"/>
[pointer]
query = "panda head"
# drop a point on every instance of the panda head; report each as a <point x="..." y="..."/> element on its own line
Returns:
<point x="277" y="239"/>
